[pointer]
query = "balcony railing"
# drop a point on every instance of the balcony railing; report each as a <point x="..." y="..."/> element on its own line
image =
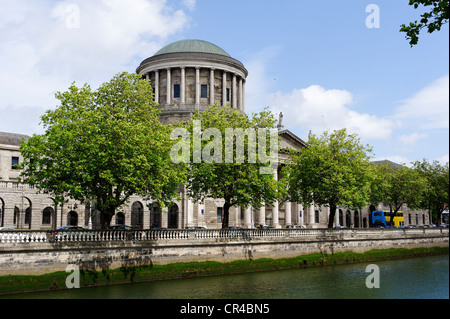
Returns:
<point x="188" y="235"/>
<point x="15" y="185"/>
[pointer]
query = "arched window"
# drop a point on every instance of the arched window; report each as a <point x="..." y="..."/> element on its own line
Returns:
<point x="137" y="220"/>
<point x="47" y="214"/>
<point x="155" y="216"/>
<point x="348" y="219"/>
<point x="356" y="219"/>
<point x="2" y="212"/>
<point x="72" y="218"/>
<point x="120" y="218"/>
<point x="341" y="218"/>
<point x="173" y="216"/>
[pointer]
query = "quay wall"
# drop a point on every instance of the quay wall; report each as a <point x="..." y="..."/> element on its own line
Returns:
<point x="40" y="252"/>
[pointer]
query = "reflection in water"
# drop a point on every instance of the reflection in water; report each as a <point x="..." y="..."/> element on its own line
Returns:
<point x="424" y="277"/>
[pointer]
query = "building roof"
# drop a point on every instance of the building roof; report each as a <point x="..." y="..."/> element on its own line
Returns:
<point x="192" y="46"/>
<point x="12" y="138"/>
<point x="390" y="163"/>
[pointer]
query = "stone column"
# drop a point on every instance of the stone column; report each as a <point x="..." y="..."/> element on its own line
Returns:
<point x="275" y="221"/>
<point x="189" y="210"/>
<point x="243" y="97"/>
<point x="300" y="214"/>
<point x="168" y="87"/>
<point x="183" y="85"/>
<point x="147" y="77"/>
<point x="248" y="217"/>
<point x="211" y="87"/>
<point x="224" y="88"/>
<point x="262" y="215"/>
<point x="336" y="217"/>
<point x="157" y="86"/>
<point x="311" y="216"/>
<point x="200" y="216"/>
<point x="233" y="92"/>
<point x="240" y="95"/>
<point x="287" y="213"/>
<point x="164" y="213"/>
<point x="197" y="86"/>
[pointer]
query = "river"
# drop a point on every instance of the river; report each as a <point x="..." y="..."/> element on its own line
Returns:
<point x="412" y="278"/>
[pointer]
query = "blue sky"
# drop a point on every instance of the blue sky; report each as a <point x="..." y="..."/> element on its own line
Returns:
<point x="315" y="61"/>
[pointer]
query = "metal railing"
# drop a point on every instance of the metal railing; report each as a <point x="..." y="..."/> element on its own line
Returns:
<point x="33" y="236"/>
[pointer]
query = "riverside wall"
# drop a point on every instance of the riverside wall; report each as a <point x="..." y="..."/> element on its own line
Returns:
<point x="40" y="252"/>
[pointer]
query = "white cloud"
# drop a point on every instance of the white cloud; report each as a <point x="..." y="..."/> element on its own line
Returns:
<point x="320" y="109"/>
<point x="411" y="139"/>
<point x="190" y="4"/>
<point x="428" y="108"/>
<point x="46" y="45"/>
<point x="313" y="108"/>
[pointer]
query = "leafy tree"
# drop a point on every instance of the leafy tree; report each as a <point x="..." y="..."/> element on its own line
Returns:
<point x="436" y="197"/>
<point x="397" y="185"/>
<point x="433" y="20"/>
<point x="214" y="171"/>
<point x="333" y="170"/>
<point x="103" y="145"/>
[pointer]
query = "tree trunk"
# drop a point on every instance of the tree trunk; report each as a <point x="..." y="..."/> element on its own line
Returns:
<point x="332" y="215"/>
<point x="226" y="214"/>
<point x="106" y="216"/>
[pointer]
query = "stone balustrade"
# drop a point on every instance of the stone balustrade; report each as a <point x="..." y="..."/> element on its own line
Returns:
<point x="31" y="236"/>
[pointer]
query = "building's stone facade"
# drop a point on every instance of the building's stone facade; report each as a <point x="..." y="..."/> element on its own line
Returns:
<point x="184" y="67"/>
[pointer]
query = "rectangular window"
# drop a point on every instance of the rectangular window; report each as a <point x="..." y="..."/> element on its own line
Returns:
<point x="14" y="162"/>
<point x="204" y="91"/>
<point x="219" y="214"/>
<point x="228" y="95"/>
<point x="316" y="216"/>
<point x="176" y="91"/>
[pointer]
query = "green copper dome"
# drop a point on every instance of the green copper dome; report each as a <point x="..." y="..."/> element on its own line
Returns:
<point x="192" y="46"/>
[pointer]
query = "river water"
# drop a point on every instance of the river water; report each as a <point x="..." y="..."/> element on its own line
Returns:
<point x="412" y="278"/>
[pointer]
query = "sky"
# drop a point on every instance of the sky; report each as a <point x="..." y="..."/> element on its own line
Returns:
<point x="325" y="64"/>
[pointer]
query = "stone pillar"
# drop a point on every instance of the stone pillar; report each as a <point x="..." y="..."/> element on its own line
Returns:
<point x="233" y="92"/>
<point x="248" y="217"/>
<point x="336" y="217"/>
<point x="168" y="87"/>
<point x="164" y="213"/>
<point x="287" y="213"/>
<point x="300" y="214"/>
<point x="200" y="216"/>
<point x="224" y="88"/>
<point x="275" y="221"/>
<point x="311" y="216"/>
<point x="262" y="215"/>
<point x="147" y="77"/>
<point x="189" y="210"/>
<point x="243" y="97"/>
<point x="240" y="95"/>
<point x="211" y="87"/>
<point x="197" y="86"/>
<point x="157" y="86"/>
<point x="183" y="85"/>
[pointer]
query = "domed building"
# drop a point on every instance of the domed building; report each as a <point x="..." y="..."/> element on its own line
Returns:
<point x="186" y="75"/>
<point x="193" y="74"/>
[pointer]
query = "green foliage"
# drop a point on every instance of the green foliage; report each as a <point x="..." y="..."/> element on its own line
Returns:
<point x="220" y="174"/>
<point x="396" y="186"/>
<point x="436" y="193"/>
<point x="432" y="20"/>
<point x="332" y="170"/>
<point x="103" y="145"/>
